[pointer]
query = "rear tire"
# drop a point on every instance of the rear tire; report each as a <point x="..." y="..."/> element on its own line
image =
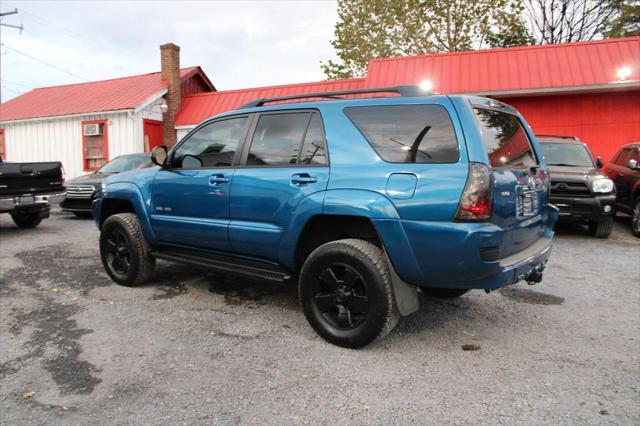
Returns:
<point x="28" y="220"/>
<point x="124" y="251"/>
<point x="346" y="293"/>
<point x="444" y="293"/>
<point x="635" y="218"/>
<point x="601" y="229"/>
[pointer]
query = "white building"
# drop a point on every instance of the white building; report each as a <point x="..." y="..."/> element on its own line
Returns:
<point x="85" y="125"/>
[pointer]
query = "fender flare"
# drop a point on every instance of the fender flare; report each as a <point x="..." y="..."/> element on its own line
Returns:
<point x="130" y="192"/>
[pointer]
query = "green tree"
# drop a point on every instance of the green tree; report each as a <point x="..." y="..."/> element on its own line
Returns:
<point x="369" y="29"/>
<point x="625" y="20"/>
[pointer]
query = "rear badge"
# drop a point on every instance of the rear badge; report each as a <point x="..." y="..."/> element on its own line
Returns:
<point x="505" y="193"/>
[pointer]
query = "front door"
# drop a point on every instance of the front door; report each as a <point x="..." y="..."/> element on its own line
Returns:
<point x="284" y="162"/>
<point x="190" y="197"/>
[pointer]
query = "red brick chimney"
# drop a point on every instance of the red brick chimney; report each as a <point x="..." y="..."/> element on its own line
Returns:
<point x="170" y="71"/>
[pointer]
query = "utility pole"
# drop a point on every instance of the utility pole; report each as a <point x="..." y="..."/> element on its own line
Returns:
<point x="11" y="12"/>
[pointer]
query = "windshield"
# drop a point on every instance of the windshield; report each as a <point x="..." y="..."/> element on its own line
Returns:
<point x="565" y="154"/>
<point x="124" y="164"/>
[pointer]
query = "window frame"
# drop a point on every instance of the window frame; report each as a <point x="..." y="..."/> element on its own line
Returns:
<point x="254" y="124"/>
<point x="236" y="156"/>
<point x="105" y="144"/>
<point x="3" y="144"/>
<point x="526" y="132"/>
<point x="453" y="128"/>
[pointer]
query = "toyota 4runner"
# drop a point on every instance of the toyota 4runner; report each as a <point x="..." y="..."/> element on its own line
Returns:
<point x="360" y="202"/>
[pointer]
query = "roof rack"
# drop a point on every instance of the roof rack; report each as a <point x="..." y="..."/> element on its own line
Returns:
<point x="404" y="90"/>
<point x="574" y="138"/>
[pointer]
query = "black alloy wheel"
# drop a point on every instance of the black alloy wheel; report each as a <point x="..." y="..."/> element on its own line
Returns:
<point x="117" y="252"/>
<point x="341" y="296"/>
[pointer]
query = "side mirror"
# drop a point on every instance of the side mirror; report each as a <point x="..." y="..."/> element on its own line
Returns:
<point x="159" y="155"/>
<point x="599" y="162"/>
<point x="632" y="164"/>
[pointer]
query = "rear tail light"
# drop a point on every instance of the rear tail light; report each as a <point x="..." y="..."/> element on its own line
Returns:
<point x="476" y="202"/>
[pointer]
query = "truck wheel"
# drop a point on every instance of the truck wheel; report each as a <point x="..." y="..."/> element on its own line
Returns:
<point x="28" y="220"/>
<point x="635" y="219"/>
<point x="124" y="251"/>
<point x="601" y="229"/>
<point x="346" y="293"/>
<point x="444" y="293"/>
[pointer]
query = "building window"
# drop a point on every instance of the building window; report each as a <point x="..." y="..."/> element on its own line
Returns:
<point x="95" y="144"/>
<point x="3" y="149"/>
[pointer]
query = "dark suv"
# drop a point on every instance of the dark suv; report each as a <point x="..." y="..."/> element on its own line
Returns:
<point x="358" y="202"/>
<point x="579" y="189"/>
<point x="624" y="170"/>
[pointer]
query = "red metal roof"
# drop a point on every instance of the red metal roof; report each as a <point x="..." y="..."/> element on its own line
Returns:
<point x="98" y="96"/>
<point x="529" y="69"/>
<point x="517" y="69"/>
<point x="197" y="108"/>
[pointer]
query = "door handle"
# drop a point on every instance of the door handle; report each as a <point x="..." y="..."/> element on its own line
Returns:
<point x="218" y="179"/>
<point x="303" y="179"/>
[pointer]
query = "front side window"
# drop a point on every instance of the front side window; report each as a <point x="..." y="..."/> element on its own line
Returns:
<point x="566" y="154"/>
<point x="505" y="139"/>
<point x="214" y="145"/>
<point x="623" y="158"/>
<point x="408" y="133"/>
<point x="277" y="139"/>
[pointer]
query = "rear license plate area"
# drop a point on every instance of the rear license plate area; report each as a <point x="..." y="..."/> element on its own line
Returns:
<point x="26" y="200"/>
<point x="527" y="203"/>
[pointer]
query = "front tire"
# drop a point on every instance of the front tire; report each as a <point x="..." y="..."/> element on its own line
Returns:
<point x="346" y="293"/>
<point x="444" y="293"/>
<point x="27" y="221"/>
<point x="635" y="219"/>
<point x="601" y="229"/>
<point x="124" y="251"/>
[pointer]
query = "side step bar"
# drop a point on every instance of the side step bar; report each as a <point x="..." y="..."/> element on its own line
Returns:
<point x="248" y="269"/>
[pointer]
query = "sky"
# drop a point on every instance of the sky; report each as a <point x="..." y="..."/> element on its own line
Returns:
<point x="239" y="44"/>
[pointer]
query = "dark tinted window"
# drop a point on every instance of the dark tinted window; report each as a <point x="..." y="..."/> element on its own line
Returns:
<point x="624" y="156"/>
<point x="277" y="139"/>
<point x="211" y="146"/>
<point x="408" y="133"/>
<point x="313" y="150"/>
<point x="505" y="139"/>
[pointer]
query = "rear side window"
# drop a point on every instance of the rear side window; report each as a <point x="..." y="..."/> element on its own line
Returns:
<point x="505" y="139"/>
<point x="288" y="139"/>
<point x="408" y="133"/>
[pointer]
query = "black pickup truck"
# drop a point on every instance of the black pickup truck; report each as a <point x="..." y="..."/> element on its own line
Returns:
<point x="27" y="190"/>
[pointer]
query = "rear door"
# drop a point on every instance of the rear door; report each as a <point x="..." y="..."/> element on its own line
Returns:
<point x="520" y="187"/>
<point x="284" y="161"/>
<point x="190" y="198"/>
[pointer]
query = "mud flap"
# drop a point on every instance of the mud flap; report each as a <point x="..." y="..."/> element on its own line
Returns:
<point x="406" y="294"/>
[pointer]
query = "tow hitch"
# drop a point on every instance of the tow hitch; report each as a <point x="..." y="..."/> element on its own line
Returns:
<point x="535" y="276"/>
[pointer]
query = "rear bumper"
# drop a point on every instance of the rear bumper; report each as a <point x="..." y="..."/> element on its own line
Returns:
<point x="584" y="208"/>
<point x="30" y="201"/>
<point x="461" y="255"/>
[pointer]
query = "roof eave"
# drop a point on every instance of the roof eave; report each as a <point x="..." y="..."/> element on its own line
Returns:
<point x="59" y="117"/>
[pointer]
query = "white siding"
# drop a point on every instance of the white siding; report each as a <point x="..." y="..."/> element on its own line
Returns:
<point x="183" y="132"/>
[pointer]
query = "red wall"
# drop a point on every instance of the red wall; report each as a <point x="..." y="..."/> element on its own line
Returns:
<point x="605" y="121"/>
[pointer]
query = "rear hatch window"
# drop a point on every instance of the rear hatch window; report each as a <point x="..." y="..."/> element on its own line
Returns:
<point x="519" y="191"/>
<point x="505" y="140"/>
<point x="407" y="133"/>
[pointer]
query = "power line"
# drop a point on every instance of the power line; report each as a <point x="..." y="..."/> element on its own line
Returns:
<point x="13" y="82"/>
<point x="43" y="62"/>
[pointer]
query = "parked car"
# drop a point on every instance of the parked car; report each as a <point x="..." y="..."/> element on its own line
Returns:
<point x="27" y="190"/>
<point x="624" y="170"/>
<point x="581" y="191"/>
<point x="82" y="190"/>
<point x="359" y="202"/>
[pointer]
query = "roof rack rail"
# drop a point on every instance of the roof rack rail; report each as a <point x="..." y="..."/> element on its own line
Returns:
<point x="404" y="90"/>
<point x="575" y="138"/>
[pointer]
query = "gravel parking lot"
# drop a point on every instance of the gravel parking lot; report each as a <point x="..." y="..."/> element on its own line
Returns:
<point x="198" y="347"/>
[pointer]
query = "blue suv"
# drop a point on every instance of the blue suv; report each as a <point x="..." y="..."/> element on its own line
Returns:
<point x="361" y="202"/>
